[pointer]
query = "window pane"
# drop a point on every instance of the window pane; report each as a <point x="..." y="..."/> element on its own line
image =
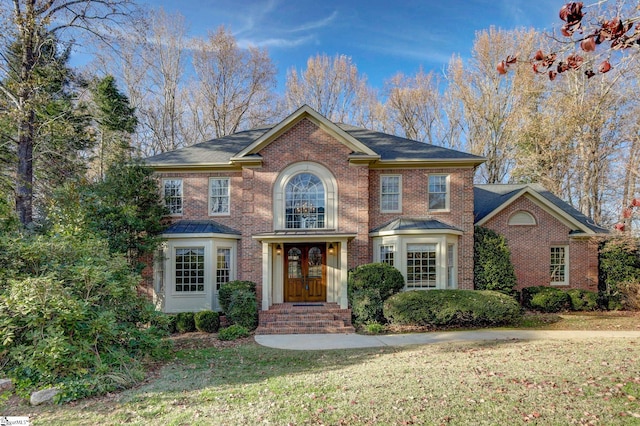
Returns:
<point x="219" y="195"/>
<point x="223" y="267"/>
<point x="390" y="193"/>
<point x="421" y="266"/>
<point x="189" y="269"/>
<point x="387" y="254"/>
<point x="304" y="202"/>
<point x="173" y="195"/>
<point x="437" y="192"/>
<point x="558" y="265"/>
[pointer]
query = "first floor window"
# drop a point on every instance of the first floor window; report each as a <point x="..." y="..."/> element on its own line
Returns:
<point x="219" y="196"/>
<point x="387" y="254"/>
<point x="438" y="193"/>
<point x="421" y="266"/>
<point x="223" y="267"/>
<point x="173" y="195"/>
<point x="390" y="194"/>
<point x="451" y="277"/>
<point x="189" y="269"/>
<point x="558" y="267"/>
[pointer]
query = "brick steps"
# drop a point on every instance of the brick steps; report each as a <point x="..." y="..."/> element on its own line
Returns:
<point x="294" y="318"/>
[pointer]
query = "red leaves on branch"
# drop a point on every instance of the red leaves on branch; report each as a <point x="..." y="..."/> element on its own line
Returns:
<point x="605" y="66"/>
<point x="627" y="214"/>
<point x="571" y="13"/>
<point x="613" y="31"/>
<point x="619" y="227"/>
<point x="504" y="65"/>
<point x="635" y="202"/>
<point x="588" y="44"/>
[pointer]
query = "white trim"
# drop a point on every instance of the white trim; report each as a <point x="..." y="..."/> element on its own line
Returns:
<point x="164" y="190"/>
<point x="543" y="203"/>
<point x="228" y="212"/>
<point x="522" y="218"/>
<point x="566" y="281"/>
<point x="305" y="112"/>
<point x="447" y="199"/>
<point x="399" y="209"/>
<point x="329" y="182"/>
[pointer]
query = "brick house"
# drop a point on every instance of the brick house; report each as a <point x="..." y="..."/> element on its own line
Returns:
<point x="295" y="206"/>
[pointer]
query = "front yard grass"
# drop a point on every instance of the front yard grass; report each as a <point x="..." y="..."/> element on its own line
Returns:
<point x="493" y="383"/>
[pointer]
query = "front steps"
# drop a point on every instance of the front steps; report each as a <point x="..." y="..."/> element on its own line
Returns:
<point x="305" y="318"/>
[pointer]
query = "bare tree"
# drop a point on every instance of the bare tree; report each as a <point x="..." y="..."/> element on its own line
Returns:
<point x="234" y="86"/>
<point x="331" y="86"/>
<point x="29" y="24"/>
<point x="493" y="106"/>
<point x="413" y="106"/>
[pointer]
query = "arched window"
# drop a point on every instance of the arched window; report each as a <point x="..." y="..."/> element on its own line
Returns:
<point x="305" y="202"/>
<point x="522" y="218"/>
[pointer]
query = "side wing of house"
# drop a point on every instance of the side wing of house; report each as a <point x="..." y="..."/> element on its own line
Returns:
<point x="551" y="243"/>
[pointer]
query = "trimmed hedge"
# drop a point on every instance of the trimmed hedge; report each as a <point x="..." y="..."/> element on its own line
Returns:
<point x="368" y="287"/>
<point x="243" y="309"/>
<point x="227" y="290"/>
<point x="452" y="308"/>
<point x="233" y="332"/>
<point x="583" y="300"/>
<point x="207" y="321"/>
<point x="545" y="299"/>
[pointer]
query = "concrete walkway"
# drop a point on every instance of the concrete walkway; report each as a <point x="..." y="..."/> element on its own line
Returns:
<point x="350" y="341"/>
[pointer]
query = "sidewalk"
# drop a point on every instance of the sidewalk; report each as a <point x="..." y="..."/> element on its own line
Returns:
<point x="351" y="341"/>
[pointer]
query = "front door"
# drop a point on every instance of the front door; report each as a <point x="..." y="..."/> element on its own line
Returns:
<point x="304" y="267"/>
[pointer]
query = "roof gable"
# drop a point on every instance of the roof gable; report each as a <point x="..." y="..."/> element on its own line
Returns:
<point x="309" y="113"/>
<point x="489" y="200"/>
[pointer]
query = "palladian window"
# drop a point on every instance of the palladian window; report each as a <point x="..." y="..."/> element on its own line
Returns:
<point x="305" y="202"/>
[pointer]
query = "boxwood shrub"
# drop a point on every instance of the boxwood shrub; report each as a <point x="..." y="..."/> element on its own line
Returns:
<point x="243" y="309"/>
<point x="452" y="308"/>
<point x="207" y="321"/>
<point x="185" y="322"/>
<point x="233" y="332"/>
<point x="368" y="287"/>
<point x="545" y="299"/>
<point x="227" y="290"/>
<point x="583" y="300"/>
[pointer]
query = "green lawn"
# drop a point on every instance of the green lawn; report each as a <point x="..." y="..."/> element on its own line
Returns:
<point x="496" y="383"/>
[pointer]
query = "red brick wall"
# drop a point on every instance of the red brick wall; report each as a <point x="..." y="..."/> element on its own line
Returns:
<point x="414" y="204"/>
<point x="530" y="247"/>
<point x="358" y="198"/>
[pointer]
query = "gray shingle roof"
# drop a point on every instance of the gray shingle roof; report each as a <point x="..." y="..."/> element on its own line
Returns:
<point x="214" y="151"/>
<point x="199" y="227"/>
<point x="490" y="197"/>
<point x="410" y="224"/>
<point x="389" y="147"/>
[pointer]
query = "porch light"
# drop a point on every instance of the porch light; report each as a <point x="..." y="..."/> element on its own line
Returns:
<point x="330" y="248"/>
<point x="278" y="249"/>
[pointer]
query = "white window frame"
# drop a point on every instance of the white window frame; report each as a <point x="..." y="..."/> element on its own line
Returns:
<point x="227" y="195"/>
<point x="203" y="276"/>
<point x="167" y="202"/>
<point x="564" y="265"/>
<point x="447" y="192"/>
<point x="383" y="194"/>
<point x="452" y="266"/>
<point x="433" y="251"/>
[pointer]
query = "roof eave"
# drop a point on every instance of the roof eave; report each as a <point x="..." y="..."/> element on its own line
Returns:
<point x="428" y="162"/>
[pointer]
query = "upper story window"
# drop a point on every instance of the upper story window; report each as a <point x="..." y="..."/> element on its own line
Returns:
<point x="390" y="193"/>
<point x="172" y="191"/>
<point x="305" y="202"/>
<point x="219" y="196"/>
<point x="438" y="192"/>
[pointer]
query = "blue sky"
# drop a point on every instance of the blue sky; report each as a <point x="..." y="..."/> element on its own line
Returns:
<point x="382" y="37"/>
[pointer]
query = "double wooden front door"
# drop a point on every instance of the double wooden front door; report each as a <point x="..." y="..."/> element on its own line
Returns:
<point x="304" y="269"/>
